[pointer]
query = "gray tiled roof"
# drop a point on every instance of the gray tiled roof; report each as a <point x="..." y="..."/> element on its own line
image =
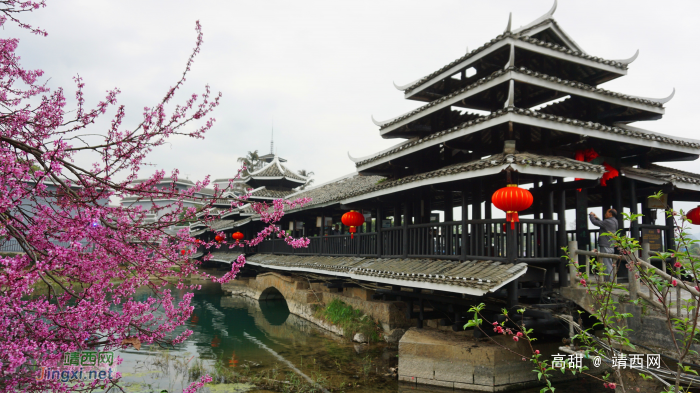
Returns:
<point x="525" y="71"/>
<point x="336" y="190"/>
<point x="227" y="256"/>
<point x="492" y="161"/>
<point x="531" y="40"/>
<point x="165" y="180"/>
<point x="479" y="275"/>
<point x="221" y="225"/>
<point x="211" y="212"/>
<point x="275" y="169"/>
<point x="263" y="192"/>
<point x="665" y="174"/>
<point x="586" y="87"/>
<point x="540" y="115"/>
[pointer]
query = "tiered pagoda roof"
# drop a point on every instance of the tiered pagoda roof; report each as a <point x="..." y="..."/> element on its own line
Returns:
<point x="271" y="180"/>
<point x="275" y="175"/>
<point x="541" y="90"/>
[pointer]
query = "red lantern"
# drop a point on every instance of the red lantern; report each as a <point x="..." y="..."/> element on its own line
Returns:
<point x="182" y="252"/>
<point x="512" y="199"/>
<point x="694" y="215"/>
<point x="237" y="236"/>
<point x="353" y="219"/>
<point x="219" y="238"/>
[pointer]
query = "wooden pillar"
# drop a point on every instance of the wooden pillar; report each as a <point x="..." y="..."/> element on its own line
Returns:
<point x="465" y="219"/>
<point x="476" y="215"/>
<point x="487" y="192"/>
<point x="561" y="236"/>
<point x="425" y="204"/>
<point x="447" y="197"/>
<point x="536" y="206"/>
<point x="548" y="236"/>
<point x="646" y="211"/>
<point x="670" y="233"/>
<point x="417" y="210"/>
<point x="634" y="225"/>
<point x="512" y="290"/>
<point x="617" y="201"/>
<point x="549" y="201"/>
<point x="322" y="234"/>
<point x="404" y="232"/>
<point x="582" y="236"/>
<point x="378" y="229"/>
<point x="397" y="215"/>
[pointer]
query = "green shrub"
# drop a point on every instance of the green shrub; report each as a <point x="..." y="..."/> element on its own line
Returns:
<point x="352" y="321"/>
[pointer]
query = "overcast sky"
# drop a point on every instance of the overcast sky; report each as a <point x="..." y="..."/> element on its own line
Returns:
<point x="320" y="69"/>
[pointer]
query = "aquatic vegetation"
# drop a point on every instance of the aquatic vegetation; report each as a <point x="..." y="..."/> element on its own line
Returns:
<point x="352" y="321"/>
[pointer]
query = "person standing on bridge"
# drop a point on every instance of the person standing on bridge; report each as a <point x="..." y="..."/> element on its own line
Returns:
<point x="608" y="225"/>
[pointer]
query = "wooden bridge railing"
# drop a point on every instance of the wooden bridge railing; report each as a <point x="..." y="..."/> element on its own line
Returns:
<point x="490" y="239"/>
<point x="644" y="259"/>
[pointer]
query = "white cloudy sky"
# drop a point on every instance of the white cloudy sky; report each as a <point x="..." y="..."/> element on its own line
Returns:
<point x="321" y="68"/>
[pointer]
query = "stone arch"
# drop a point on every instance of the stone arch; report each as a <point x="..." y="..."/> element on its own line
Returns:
<point x="271" y="293"/>
<point x="274" y="306"/>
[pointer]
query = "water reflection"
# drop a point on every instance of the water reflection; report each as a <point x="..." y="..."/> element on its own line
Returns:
<point x="261" y="338"/>
<point x="275" y="312"/>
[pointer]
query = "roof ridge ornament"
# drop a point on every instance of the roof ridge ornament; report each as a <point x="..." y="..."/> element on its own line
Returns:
<point x="510" y="20"/>
<point x="406" y="86"/>
<point x="382" y="123"/>
<point x="630" y="60"/>
<point x="542" y="18"/>
<point x="353" y="159"/>
<point x="659" y="100"/>
<point x="510" y="102"/>
<point x="511" y="58"/>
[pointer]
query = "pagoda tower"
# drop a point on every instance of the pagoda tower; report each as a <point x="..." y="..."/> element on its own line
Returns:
<point x="270" y="181"/>
<point x="548" y="121"/>
<point x="527" y="109"/>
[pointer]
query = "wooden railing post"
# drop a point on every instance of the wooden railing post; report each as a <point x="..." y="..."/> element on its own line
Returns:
<point x="634" y="281"/>
<point x="323" y="234"/>
<point x="573" y="247"/>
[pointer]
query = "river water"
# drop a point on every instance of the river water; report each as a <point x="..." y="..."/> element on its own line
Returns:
<point x="244" y="343"/>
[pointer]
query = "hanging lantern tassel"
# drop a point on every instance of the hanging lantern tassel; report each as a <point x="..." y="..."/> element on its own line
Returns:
<point x="352" y="232"/>
<point x="512" y="217"/>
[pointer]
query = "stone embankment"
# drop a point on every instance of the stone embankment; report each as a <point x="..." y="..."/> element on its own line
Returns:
<point x="303" y="298"/>
<point x="434" y="356"/>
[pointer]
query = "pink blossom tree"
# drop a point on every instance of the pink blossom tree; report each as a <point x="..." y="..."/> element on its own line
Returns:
<point x="71" y="288"/>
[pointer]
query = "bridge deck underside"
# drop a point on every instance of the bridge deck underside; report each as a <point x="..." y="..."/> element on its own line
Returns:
<point x="468" y="277"/>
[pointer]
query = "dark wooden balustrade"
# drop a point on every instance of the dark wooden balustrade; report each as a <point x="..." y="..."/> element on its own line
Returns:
<point x="492" y="239"/>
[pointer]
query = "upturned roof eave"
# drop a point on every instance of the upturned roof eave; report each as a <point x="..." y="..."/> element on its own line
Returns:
<point x="524" y="42"/>
<point x="536" y="119"/>
<point x="659" y="175"/>
<point x="525" y="163"/>
<point x="521" y="74"/>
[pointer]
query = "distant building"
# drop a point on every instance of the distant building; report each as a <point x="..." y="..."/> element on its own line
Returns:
<point x="148" y="203"/>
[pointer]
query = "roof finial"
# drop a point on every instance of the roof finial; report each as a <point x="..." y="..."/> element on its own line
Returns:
<point x="630" y="60"/>
<point x="510" y="19"/>
<point x="272" y="138"/>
